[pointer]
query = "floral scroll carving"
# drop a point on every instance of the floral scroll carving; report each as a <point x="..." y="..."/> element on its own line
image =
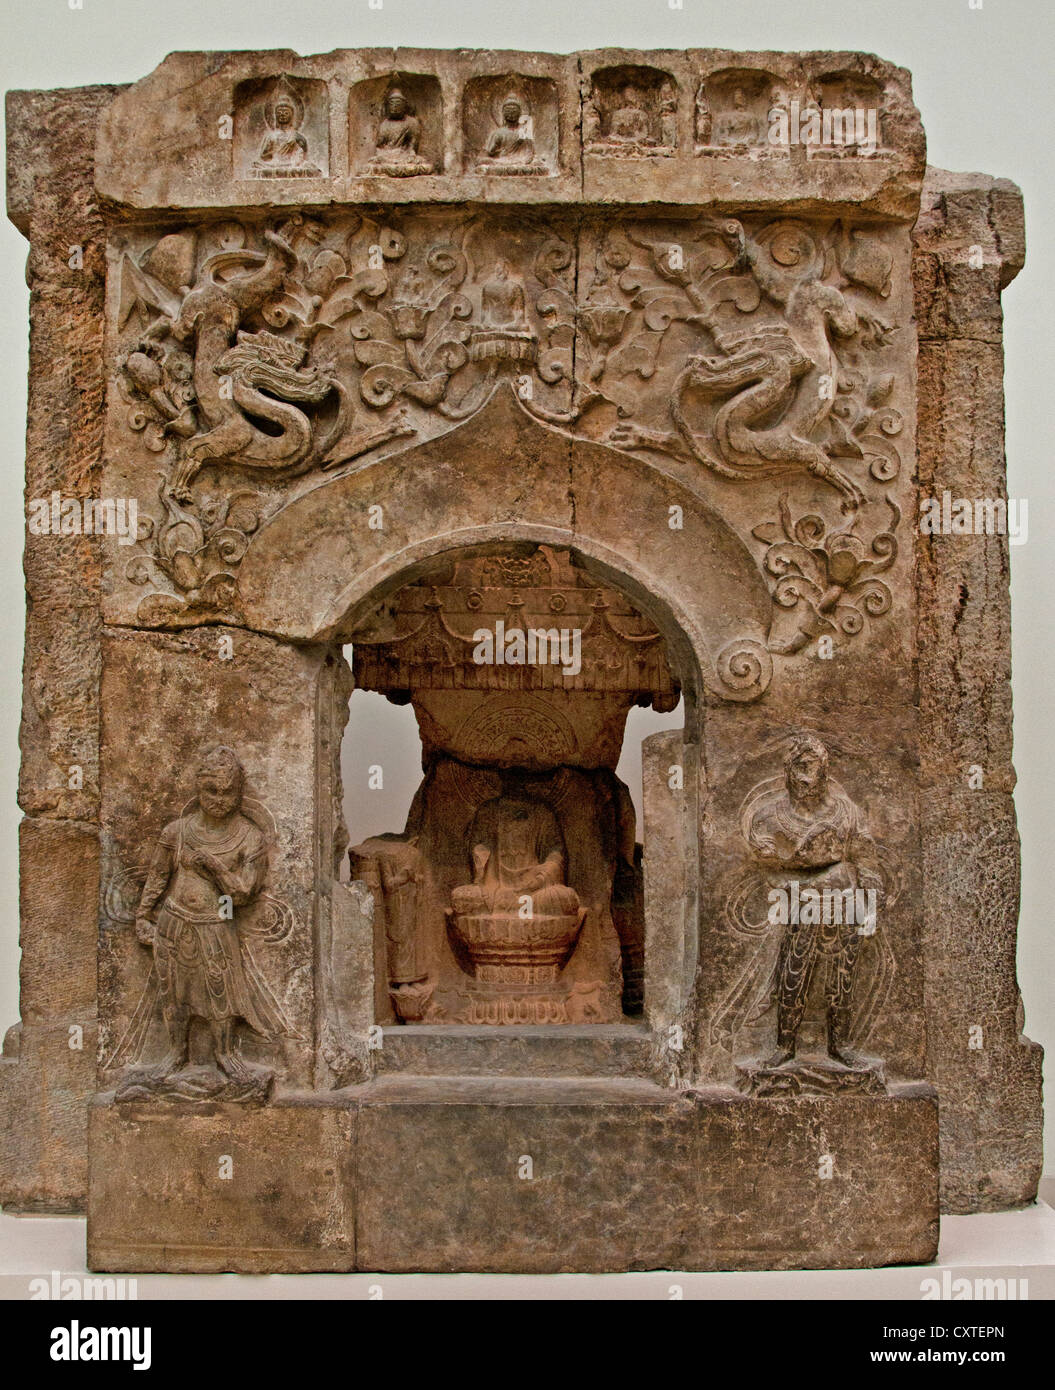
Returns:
<point x="829" y="578"/>
<point x="250" y="357"/>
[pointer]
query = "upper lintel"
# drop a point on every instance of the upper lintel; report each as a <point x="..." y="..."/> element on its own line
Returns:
<point x="802" y="132"/>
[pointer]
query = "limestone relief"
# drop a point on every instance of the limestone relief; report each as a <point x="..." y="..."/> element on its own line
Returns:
<point x="261" y="355"/>
<point x="510" y="147"/>
<point x="631" y="111"/>
<point x="280" y="130"/>
<point x="517" y="921"/>
<point x="809" y="912"/>
<point x="284" y="150"/>
<point x="733" y="113"/>
<point x="393" y="870"/>
<point x="826" y="579"/>
<point x="772" y="384"/>
<point x="513" y="894"/>
<point x="398" y="139"/>
<point x="528" y="393"/>
<point x="202" y="901"/>
<point x="511" y="128"/>
<point x="849" y="108"/>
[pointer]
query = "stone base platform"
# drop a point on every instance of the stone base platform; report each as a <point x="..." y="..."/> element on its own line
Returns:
<point x="514" y="1175"/>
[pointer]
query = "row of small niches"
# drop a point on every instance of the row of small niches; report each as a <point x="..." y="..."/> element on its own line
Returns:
<point x="511" y="126"/>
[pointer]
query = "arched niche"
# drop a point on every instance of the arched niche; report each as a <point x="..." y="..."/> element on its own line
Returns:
<point x="310" y="573"/>
<point x="319" y="568"/>
<point x="639" y="897"/>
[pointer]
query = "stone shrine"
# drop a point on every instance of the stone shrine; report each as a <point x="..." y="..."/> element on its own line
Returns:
<point x="554" y="386"/>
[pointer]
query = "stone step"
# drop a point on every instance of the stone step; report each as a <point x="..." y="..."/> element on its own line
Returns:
<point x="404" y="1089"/>
<point x="602" y="1049"/>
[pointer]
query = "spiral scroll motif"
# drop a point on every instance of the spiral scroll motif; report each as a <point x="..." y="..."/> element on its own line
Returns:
<point x="744" y="669"/>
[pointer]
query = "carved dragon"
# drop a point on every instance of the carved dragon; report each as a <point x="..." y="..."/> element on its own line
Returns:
<point x="778" y="381"/>
<point x="239" y="377"/>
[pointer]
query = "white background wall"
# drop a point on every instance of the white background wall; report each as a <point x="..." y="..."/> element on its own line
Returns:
<point x="981" y="80"/>
<point x="386" y="735"/>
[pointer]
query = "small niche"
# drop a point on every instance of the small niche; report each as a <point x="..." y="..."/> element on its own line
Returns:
<point x="395" y="126"/>
<point x="733" y="110"/>
<point x="631" y="111"/>
<point x="510" y="125"/>
<point x="281" y="129"/>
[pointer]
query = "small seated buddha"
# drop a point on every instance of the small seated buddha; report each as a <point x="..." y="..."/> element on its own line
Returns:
<point x="739" y="126"/>
<point x="284" y="150"/>
<point x="629" y="124"/>
<point x="397" y="139"/>
<point x="510" y="149"/>
<point x="517" y="849"/>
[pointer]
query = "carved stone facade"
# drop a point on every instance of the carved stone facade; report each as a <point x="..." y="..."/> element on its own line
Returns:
<point x="734" y="350"/>
<point x="556" y="386"/>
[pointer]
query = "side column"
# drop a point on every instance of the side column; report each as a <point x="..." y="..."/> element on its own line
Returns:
<point x="48" y="1069"/>
<point x="969" y="244"/>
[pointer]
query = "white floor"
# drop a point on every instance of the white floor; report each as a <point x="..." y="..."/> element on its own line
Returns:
<point x="43" y="1256"/>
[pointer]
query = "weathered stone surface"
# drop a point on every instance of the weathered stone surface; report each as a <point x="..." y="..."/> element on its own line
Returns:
<point x="528" y="1175"/>
<point x="603" y="1175"/>
<point x="607" y="1184"/>
<point x="988" y="1071"/>
<point x="48" y="1068"/>
<point x="435" y="354"/>
<point x="220" y="1193"/>
<point x="183" y="103"/>
<point x="60" y="913"/>
<point x="969" y="244"/>
<point x="965" y="699"/>
<point x="873" y="764"/>
<point x="560" y="493"/>
<point x="52" y="199"/>
<point x="796" y="1212"/>
<point x="595" y="1049"/>
<point x="59" y="735"/>
<point x="184" y="695"/>
<point x="723" y="154"/>
<point x="48" y="1071"/>
<point x="668" y="777"/>
<point x="47" y="1074"/>
<point x="190" y="133"/>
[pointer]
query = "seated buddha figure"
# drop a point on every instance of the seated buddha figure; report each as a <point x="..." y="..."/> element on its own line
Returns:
<point x="397" y="138"/>
<point x="738" y="126"/>
<point x="629" y="123"/>
<point x="284" y="150"/>
<point x="517" y="849"/>
<point x="510" y="148"/>
<point x="502" y="299"/>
